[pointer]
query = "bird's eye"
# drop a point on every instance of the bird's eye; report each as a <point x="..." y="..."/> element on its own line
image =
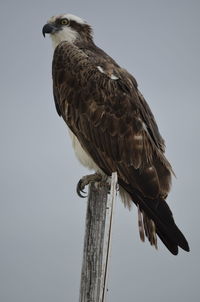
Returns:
<point x="64" y="21"/>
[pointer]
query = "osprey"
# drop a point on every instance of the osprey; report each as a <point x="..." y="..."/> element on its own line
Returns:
<point x="112" y="127"/>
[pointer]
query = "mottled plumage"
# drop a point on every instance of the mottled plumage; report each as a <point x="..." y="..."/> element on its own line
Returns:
<point x="111" y="122"/>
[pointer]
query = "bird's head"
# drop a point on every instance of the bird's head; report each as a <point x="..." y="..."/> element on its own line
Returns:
<point x="67" y="28"/>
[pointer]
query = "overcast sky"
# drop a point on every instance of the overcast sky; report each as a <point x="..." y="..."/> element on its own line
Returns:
<point x="41" y="217"/>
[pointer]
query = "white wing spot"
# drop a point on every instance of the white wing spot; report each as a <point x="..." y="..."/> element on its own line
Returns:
<point x="113" y="77"/>
<point x="100" y="69"/>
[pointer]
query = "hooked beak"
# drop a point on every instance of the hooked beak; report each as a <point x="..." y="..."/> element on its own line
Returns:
<point x="48" y="29"/>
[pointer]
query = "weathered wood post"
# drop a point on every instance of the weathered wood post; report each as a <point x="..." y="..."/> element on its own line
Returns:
<point x="99" y="218"/>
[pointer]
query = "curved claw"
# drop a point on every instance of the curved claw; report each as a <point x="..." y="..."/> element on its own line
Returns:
<point x="80" y="189"/>
<point x="86" y="180"/>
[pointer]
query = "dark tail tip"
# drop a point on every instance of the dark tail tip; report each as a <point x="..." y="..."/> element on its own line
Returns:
<point x="159" y="211"/>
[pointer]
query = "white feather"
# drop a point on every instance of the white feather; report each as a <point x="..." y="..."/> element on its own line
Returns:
<point x="74" y="18"/>
<point x="69" y="17"/>
<point x="100" y="69"/>
<point x="113" y="77"/>
<point x="66" y="34"/>
<point x="84" y="158"/>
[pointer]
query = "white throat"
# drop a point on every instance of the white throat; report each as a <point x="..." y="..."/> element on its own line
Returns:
<point x="66" y="34"/>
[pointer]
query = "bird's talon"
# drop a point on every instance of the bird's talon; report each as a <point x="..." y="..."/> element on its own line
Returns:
<point x="84" y="181"/>
<point x="80" y="189"/>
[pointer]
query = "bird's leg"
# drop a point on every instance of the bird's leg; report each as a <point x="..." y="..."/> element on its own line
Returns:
<point x="85" y="180"/>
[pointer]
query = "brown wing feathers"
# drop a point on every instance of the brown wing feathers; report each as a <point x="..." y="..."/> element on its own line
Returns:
<point x="114" y="124"/>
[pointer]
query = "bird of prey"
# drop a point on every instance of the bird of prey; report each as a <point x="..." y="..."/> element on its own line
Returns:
<point x="112" y="127"/>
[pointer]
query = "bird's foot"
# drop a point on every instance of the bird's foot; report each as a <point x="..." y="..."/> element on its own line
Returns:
<point x="86" y="180"/>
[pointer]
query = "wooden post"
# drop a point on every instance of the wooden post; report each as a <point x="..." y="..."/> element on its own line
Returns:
<point x="99" y="218"/>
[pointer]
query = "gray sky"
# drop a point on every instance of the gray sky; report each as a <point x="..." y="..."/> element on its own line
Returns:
<point x="41" y="217"/>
